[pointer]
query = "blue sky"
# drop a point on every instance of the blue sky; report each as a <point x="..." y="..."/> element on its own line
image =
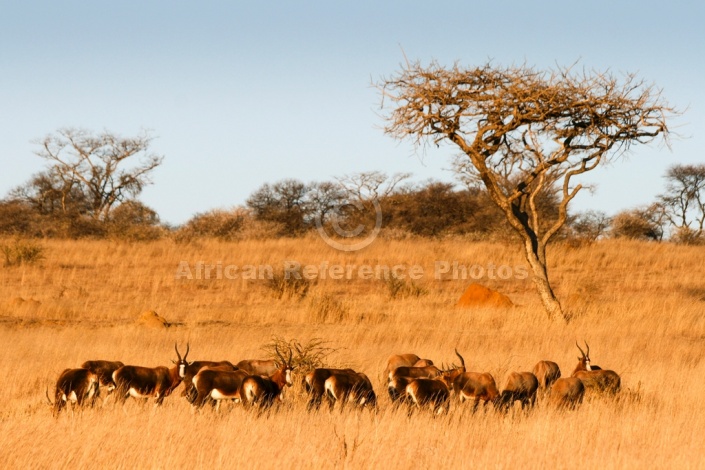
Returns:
<point x="239" y="94"/>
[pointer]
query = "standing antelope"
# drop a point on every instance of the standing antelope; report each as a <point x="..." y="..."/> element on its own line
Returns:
<point x="595" y="379"/>
<point x="76" y="386"/>
<point x="314" y="384"/>
<point x="405" y="360"/>
<point x="433" y="392"/>
<point x="567" y="392"/>
<point x="546" y="372"/>
<point x="189" y="371"/>
<point x="265" y="367"/>
<point x="261" y="391"/>
<point x="475" y="386"/>
<point x="146" y="382"/>
<point x="520" y="386"/>
<point x="400" y="378"/>
<point x="215" y="383"/>
<point x="104" y="370"/>
<point x="350" y="386"/>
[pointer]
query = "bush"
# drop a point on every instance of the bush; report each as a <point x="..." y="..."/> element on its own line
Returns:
<point x="286" y="286"/>
<point x="21" y="252"/>
<point x="218" y="223"/>
<point x="400" y="288"/>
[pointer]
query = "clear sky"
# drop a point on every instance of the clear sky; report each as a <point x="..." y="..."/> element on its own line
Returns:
<point x="244" y="93"/>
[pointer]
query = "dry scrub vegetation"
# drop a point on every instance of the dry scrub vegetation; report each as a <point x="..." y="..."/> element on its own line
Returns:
<point x="640" y="306"/>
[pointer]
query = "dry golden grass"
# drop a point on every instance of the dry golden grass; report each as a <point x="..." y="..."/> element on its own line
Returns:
<point x="639" y="305"/>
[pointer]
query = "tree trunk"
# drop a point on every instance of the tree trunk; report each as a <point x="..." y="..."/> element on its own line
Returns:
<point x="540" y="278"/>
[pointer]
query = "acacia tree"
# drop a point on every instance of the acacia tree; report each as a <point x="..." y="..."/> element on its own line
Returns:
<point x="684" y="200"/>
<point x="97" y="163"/>
<point x="525" y="130"/>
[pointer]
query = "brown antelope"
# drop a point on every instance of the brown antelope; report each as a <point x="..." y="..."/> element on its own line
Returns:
<point x="215" y="383"/>
<point x="104" y="371"/>
<point x="146" y="382"/>
<point x="189" y="370"/>
<point x="79" y="386"/>
<point x="428" y="392"/>
<point x="350" y="386"/>
<point x="475" y="386"/>
<point x="264" y="367"/>
<point x="314" y="384"/>
<point x="405" y="360"/>
<point x="521" y="386"/>
<point x="595" y="379"/>
<point x="260" y="391"/>
<point x="567" y="392"/>
<point x="427" y="372"/>
<point x="546" y="372"/>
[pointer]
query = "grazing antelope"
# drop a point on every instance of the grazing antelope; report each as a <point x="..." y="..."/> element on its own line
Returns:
<point x="567" y="392"/>
<point x="104" y="370"/>
<point x="546" y="372"/>
<point x="475" y="386"/>
<point x="405" y="360"/>
<point x="261" y="391"/>
<point x="425" y="392"/>
<point x="216" y="383"/>
<point x="265" y="367"/>
<point x="426" y="372"/>
<point x="146" y="382"/>
<point x="520" y="386"/>
<point x="314" y="384"/>
<point x="76" y="386"/>
<point x="595" y="379"/>
<point x="350" y="386"/>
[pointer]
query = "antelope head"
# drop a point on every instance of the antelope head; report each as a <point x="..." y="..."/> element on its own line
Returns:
<point x="449" y="375"/>
<point x="181" y="363"/>
<point x="286" y="366"/>
<point x="584" y="359"/>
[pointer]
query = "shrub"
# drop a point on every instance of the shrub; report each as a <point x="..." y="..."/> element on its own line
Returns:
<point x="21" y="252"/>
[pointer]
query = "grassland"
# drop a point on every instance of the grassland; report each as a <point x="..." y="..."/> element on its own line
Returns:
<point x="640" y="306"/>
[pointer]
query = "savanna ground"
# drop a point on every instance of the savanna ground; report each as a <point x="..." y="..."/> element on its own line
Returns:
<point x="639" y="305"/>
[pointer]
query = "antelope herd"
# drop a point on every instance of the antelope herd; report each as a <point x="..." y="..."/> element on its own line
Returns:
<point x="413" y="382"/>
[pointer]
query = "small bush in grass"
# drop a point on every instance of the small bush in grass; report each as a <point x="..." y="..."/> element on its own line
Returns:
<point x="305" y="356"/>
<point x="21" y="252"/>
<point x="287" y="286"/>
<point x="325" y="308"/>
<point x="399" y="288"/>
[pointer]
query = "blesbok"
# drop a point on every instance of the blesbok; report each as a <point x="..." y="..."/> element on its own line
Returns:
<point x="595" y="379"/>
<point x="147" y="382"/>
<point x="190" y="370"/>
<point x="215" y="383"/>
<point x="314" y="384"/>
<point x="428" y="392"/>
<point x="79" y="386"/>
<point x="567" y="392"/>
<point x="404" y="360"/>
<point x="352" y="387"/>
<point x="425" y="372"/>
<point x="264" y="367"/>
<point x="474" y="386"/>
<point x="546" y="372"/>
<point x="260" y="391"/>
<point x="520" y="386"/>
<point x="104" y="370"/>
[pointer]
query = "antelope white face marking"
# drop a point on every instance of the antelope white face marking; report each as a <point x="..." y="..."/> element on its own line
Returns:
<point x="182" y="370"/>
<point x="288" y="377"/>
<point x="587" y="364"/>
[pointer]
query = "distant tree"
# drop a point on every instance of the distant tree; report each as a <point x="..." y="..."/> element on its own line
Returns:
<point x="684" y="200"/>
<point x="643" y="223"/>
<point x="524" y="130"/>
<point x="590" y="225"/>
<point x="96" y="165"/>
<point x="371" y="185"/>
<point x="285" y="203"/>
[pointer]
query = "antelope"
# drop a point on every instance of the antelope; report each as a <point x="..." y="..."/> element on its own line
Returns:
<point x="546" y="372"/>
<point x="76" y="386"/>
<point x="595" y="379"/>
<point x="314" y="384"/>
<point x="261" y="391"/>
<point x="265" y="367"/>
<point x="189" y="371"/>
<point x="520" y="386"/>
<point x="104" y="371"/>
<point x="475" y="386"/>
<point x="405" y="360"/>
<point x="146" y="382"/>
<point x="217" y="384"/>
<point x="433" y="392"/>
<point x="414" y="372"/>
<point x="567" y="392"/>
<point x="350" y="386"/>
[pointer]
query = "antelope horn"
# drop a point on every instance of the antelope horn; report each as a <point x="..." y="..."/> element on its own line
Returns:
<point x="588" y="348"/>
<point x="462" y="361"/>
<point x="581" y="350"/>
<point x="291" y="356"/>
<point x="176" y="348"/>
<point x="279" y="355"/>
<point x="188" y="346"/>
<point x="47" y="395"/>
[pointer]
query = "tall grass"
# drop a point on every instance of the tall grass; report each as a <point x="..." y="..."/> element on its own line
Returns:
<point x="639" y="305"/>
